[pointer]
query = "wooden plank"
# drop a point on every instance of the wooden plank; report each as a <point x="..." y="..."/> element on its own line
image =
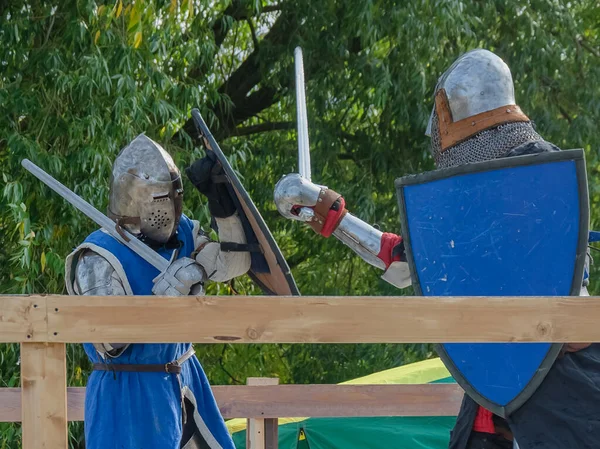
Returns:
<point x="10" y="404"/>
<point x="256" y="435"/>
<point x="295" y="400"/>
<point x="75" y="403"/>
<point x="271" y="433"/>
<point x="22" y="319"/>
<point x="258" y="319"/>
<point x="339" y="400"/>
<point x="44" y="395"/>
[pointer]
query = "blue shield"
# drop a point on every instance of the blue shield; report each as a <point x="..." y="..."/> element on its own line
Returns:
<point x="509" y="227"/>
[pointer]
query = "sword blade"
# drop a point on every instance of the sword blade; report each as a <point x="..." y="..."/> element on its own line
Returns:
<point x="302" y="120"/>
<point x="98" y="217"/>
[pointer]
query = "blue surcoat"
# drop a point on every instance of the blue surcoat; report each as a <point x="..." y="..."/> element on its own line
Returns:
<point x="132" y="410"/>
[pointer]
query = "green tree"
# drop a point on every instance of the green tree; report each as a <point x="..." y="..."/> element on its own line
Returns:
<point x="79" y="79"/>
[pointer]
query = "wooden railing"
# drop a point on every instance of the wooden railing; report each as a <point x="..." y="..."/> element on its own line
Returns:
<point x="278" y="401"/>
<point x="43" y="324"/>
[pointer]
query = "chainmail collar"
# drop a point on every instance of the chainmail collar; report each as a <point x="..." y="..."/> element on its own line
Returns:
<point x="490" y="144"/>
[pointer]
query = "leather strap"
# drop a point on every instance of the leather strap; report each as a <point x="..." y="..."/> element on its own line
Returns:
<point x="326" y="200"/>
<point x="171" y="367"/>
<point x="142" y="368"/>
<point x="452" y="133"/>
<point x="120" y="221"/>
<point x="241" y="247"/>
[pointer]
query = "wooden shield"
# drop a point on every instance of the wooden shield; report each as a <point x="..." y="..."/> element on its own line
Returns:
<point x="269" y="268"/>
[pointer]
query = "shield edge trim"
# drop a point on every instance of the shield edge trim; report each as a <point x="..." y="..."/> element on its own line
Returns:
<point x="287" y="272"/>
<point x="576" y="155"/>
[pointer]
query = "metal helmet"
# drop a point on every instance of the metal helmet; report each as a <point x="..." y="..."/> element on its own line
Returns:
<point x="146" y="191"/>
<point x="475" y="117"/>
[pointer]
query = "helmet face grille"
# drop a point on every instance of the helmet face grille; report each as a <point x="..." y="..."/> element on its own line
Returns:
<point x="489" y="144"/>
<point x="159" y="219"/>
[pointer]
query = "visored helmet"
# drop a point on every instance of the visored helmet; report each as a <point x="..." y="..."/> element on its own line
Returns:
<point x="146" y="190"/>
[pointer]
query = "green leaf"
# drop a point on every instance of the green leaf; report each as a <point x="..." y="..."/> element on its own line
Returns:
<point x="119" y="9"/>
<point x="135" y="16"/>
<point x="137" y="39"/>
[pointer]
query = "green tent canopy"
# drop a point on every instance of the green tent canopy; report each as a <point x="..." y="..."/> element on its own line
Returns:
<point x="363" y="433"/>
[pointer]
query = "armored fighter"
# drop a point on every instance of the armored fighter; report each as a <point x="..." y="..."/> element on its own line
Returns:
<point x="474" y="119"/>
<point x="155" y="395"/>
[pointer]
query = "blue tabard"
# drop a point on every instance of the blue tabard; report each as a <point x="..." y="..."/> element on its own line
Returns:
<point x="130" y="410"/>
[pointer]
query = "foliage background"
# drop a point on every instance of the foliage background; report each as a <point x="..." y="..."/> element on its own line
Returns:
<point x="79" y="79"/>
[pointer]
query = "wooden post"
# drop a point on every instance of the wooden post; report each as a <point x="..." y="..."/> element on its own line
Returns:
<point x="262" y="433"/>
<point x="271" y="433"/>
<point x="44" y="395"/>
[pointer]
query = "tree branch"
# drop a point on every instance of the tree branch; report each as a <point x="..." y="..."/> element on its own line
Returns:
<point x="220" y="27"/>
<point x="253" y="32"/>
<point x="245" y="108"/>
<point x="238" y="105"/>
<point x="247" y="76"/>
<point x="588" y="47"/>
<point x="565" y="114"/>
<point x="271" y="8"/>
<point x="252" y="70"/>
<point x="263" y="127"/>
<point x="236" y="11"/>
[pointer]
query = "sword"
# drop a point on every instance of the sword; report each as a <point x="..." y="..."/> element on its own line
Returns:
<point x="303" y="147"/>
<point x="131" y="242"/>
<point x="301" y="117"/>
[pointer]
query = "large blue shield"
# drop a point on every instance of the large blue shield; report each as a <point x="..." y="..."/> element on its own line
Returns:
<point x="509" y="227"/>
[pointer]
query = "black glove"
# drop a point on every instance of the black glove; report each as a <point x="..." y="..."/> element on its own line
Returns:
<point x="208" y="177"/>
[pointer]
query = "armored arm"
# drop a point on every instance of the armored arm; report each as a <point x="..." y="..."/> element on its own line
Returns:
<point x="327" y="215"/>
<point x="222" y="264"/>
<point x="226" y="259"/>
<point x="95" y="276"/>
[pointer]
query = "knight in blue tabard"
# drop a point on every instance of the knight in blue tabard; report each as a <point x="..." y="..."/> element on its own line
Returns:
<point x="475" y="118"/>
<point x="155" y="396"/>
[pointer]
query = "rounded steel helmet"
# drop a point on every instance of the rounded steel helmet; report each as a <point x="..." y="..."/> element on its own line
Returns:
<point x="475" y="117"/>
<point x="146" y="191"/>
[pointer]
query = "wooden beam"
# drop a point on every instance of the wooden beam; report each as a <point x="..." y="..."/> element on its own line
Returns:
<point x="241" y="401"/>
<point x="23" y="319"/>
<point x="256" y="436"/>
<point x="44" y="395"/>
<point x="257" y="319"/>
<point x="10" y="405"/>
<point x="254" y="319"/>
<point x="341" y="400"/>
<point x="262" y="433"/>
